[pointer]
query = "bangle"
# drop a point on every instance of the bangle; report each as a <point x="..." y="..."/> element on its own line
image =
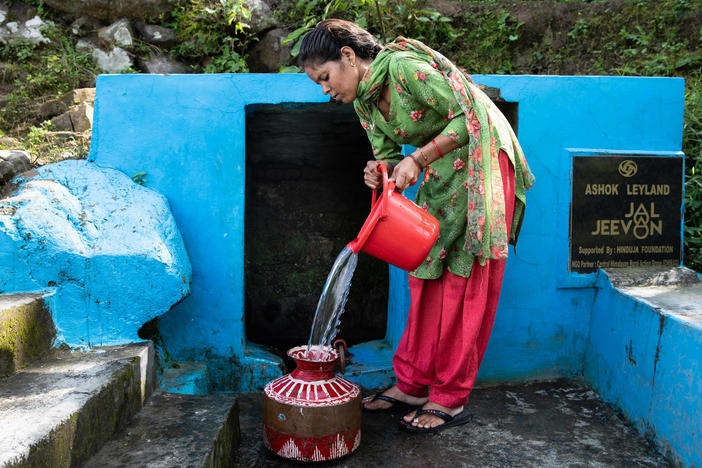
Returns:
<point x="423" y="158"/>
<point x="441" y="155"/>
<point x="414" y="158"/>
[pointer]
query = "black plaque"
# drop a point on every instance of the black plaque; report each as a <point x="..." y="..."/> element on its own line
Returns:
<point x="626" y="211"/>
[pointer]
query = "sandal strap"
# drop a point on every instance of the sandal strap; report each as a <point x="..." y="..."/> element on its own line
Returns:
<point x="389" y="399"/>
<point x="438" y="413"/>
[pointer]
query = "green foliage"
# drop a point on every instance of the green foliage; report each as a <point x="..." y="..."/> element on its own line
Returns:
<point x="491" y="36"/>
<point x="42" y="70"/>
<point x="228" y="61"/>
<point x="692" y="146"/>
<point x="36" y="136"/>
<point x="212" y="34"/>
<point x="46" y="146"/>
<point x="139" y="178"/>
<point x="579" y="30"/>
<point x="407" y="18"/>
<point x="386" y="19"/>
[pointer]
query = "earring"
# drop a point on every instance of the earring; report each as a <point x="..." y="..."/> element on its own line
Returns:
<point x="353" y="65"/>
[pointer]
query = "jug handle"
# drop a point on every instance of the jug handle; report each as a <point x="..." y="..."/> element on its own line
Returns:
<point x="387" y="188"/>
<point x="356" y="244"/>
<point x="340" y="346"/>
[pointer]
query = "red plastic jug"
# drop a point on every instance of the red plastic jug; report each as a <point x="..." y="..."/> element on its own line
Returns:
<point x="397" y="230"/>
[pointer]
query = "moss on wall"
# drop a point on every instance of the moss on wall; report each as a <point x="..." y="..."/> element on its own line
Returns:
<point x="26" y="334"/>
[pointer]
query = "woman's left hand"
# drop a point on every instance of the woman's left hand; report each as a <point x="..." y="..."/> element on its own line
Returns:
<point x="406" y="173"/>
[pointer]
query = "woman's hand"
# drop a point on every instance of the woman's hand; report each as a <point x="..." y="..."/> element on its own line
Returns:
<point x="372" y="175"/>
<point x="406" y="173"/>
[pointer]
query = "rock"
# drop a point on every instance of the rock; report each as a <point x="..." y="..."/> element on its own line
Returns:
<point x="114" y="61"/>
<point x="20" y="10"/>
<point x="84" y="26"/>
<point x="76" y="119"/>
<point x="154" y="34"/>
<point x="269" y="54"/>
<point x="108" y="248"/>
<point x="164" y="65"/>
<point x="262" y="17"/>
<point x="652" y="276"/>
<point x="7" y="142"/>
<point x="65" y="102"/>
<point x="119" y="33"/>
<point x="17" y="11"/>
<point x="112" y="10"/>
<point x="12" y="163"/>
<point x="28" y="31"/>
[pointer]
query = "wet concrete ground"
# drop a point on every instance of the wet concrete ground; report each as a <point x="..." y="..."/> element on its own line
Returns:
<point x="545" y="424"/>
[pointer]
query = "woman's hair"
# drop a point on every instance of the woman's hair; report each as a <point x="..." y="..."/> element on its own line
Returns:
<point x="325" y="41"/>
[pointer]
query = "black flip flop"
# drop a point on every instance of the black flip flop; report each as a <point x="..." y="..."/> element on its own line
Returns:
<point x="395" y="403"/>
<point x="449" y="421"/>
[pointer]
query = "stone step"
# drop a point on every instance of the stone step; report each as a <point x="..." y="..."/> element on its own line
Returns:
<point x="59" y="411"/>
<point x="176" y="430"/>
<point x="26" y="331"/>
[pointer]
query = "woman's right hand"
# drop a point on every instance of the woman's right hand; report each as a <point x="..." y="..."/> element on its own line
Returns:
<point x="372" y="175"/>
<point x="406" y="173"/>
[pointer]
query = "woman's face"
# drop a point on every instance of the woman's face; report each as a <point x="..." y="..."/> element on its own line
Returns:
<point x="338" y="78"/>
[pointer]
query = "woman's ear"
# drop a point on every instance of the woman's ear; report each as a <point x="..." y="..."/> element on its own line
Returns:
<point x="347" y="53"/>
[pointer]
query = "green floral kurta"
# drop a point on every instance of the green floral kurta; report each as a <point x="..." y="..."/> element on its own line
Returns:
<point x="463" y="190"/>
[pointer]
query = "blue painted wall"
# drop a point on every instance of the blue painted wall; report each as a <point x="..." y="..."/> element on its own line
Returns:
<point x="187" y="133"/>
<point x="649" y="364"/>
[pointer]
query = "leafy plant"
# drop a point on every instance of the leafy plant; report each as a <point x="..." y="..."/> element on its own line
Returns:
<point x="579" y="30"/>
<point x="212" y="34"/>
<point x="46" y="146"/>
<point x="139" y="178"/>
<point x="692" y="146"/>
<point x="228" y="61"/>
<point x="43" y="70"/>
<point x="386" y="19"/>
<point x="491" y="36"/>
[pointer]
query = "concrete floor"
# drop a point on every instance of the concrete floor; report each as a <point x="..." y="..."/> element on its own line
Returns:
<point x="544" y="424"/>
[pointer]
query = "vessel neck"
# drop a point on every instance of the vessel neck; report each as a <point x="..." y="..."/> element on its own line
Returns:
<point x="312" y="375"/>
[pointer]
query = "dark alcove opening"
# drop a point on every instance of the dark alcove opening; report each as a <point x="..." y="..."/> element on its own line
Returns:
<point x="305" y="200"/>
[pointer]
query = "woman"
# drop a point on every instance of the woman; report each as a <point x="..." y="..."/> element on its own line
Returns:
<point x="475" y="176"/>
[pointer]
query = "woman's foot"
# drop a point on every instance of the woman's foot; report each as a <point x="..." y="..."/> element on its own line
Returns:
<point x="375" y="404"/>
<point x="427" y="420"/>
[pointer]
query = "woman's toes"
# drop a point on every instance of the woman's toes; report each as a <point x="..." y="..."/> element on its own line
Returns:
<point x="376" y="404"/>
<point x="409" y="417"/>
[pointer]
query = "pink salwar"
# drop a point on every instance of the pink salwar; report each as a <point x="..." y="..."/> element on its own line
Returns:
<point x="449" y="324"/>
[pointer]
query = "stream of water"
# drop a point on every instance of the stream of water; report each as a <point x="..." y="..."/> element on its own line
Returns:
<point x="331" y="303"/>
